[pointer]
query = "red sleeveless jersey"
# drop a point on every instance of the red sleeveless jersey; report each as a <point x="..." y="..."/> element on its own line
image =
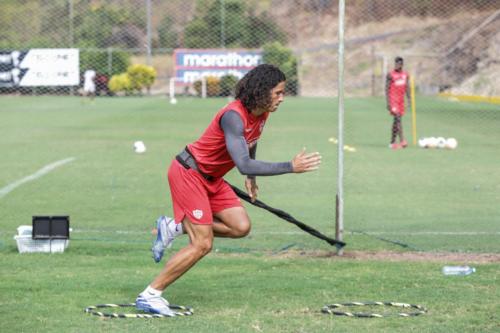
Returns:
<point x="210" y="150"/>
<point x="397" y="89"/>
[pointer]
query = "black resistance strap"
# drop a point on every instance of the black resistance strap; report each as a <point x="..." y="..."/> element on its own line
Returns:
<point x="285" y="216"/>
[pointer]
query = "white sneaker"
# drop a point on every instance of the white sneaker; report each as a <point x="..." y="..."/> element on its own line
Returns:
<point x="164" y="238"/>
<point x="153" y="304"/>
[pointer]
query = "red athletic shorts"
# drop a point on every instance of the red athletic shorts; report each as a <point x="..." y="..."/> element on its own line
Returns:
<point x="197" y="198"/>
<point x="398" y="109"/>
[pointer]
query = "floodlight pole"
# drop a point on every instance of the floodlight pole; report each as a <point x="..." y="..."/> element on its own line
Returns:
<point x="339" y="215"/>
<point x="148" y="36"/>
<point x="110" y="62"/>
<point x="71" y="17"/>
<point x="71" y="33"/>
<point x="222" y="24"/>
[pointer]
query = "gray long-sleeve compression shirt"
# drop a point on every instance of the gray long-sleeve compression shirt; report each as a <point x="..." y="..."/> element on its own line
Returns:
<point x="232" y="125"/>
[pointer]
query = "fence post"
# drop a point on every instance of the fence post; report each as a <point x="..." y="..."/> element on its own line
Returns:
<point x="148" y="40"/>
<point x="339" y="223"/>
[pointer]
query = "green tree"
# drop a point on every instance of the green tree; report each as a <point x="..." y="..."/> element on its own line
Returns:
<point x="261" y="30"/>
<point x="278" y="55"/>
<point x="196" y="35"/>
<point x="166" y="35"/>
<point x="235" y="23"/>
<point x="95" y="28"/>
<point x="237" y="27"/>
<point x="99" y="61"/>
<point x="92" y="29"/>
<point x="19" y="26"/>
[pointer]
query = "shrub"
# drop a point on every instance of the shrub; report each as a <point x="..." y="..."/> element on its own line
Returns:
<point x="227" y="84"/>
<point x="141" y="76"/>
<point x="213" y="86"/>
<point x="119" y="83"/>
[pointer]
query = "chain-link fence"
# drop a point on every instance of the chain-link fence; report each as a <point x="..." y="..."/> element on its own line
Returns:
<point x="450" y="48"/>
<point x="451" y="44"/>
<point x="439" y="196"/>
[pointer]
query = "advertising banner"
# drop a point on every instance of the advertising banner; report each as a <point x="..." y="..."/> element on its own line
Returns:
<point x="192" y="64"/>
<point x="40" y="67"/>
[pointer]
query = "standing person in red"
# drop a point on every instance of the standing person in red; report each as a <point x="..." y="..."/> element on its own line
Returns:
<point x="395" y="90"/>
<point x="204" y="205"/>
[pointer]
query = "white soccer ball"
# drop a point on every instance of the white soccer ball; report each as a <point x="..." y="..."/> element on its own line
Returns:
<point x="432" y="142"/>
<point x="422" y="143"/>
<point x="139" y="147"/>
<point x="441" y="142"/>
<point x="173" y="101"/>
<point x="451" y="143"/>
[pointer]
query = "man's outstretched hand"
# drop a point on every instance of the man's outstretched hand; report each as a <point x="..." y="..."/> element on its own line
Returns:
<point x="305" y="162"/>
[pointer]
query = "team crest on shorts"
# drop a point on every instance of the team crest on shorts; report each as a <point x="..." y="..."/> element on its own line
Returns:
<point x="197" y="213"/>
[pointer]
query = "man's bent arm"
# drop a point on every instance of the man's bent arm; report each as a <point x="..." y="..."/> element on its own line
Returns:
<point x="232" y="125"/>
<point x="252" y="152"/>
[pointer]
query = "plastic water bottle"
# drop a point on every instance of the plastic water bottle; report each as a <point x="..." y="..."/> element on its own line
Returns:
<point x="458" y="270"/>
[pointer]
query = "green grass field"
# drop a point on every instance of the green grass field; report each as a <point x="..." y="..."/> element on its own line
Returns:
<point x="278" y="278"/>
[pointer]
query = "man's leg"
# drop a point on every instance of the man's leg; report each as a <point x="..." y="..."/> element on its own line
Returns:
<point x="394" y="129"/>
<point x="232" y="223"/>
<point x="231" y="220"/>
<point x="400" y="129"/>
<point x="201" y="237"/>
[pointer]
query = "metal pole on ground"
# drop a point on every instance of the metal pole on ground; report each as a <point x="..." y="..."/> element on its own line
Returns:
<point x="374" y="63"/>
<point x="339" y="216"/>
<point x="413" y="110"/>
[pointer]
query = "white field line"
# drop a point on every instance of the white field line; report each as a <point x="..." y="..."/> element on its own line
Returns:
<point x="438" y="233"/>
<point x="122" y="232"/>
<point x="43" y="171"/>
<point x="418" y="233"/>
<point x="395" y="233"/>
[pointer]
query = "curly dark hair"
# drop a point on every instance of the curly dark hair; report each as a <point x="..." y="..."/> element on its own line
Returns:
<point x="254" y="89"/>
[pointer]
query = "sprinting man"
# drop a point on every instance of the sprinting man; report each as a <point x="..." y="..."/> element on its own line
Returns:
<point x="396" y="88"/>
<point x="204" y="205"/>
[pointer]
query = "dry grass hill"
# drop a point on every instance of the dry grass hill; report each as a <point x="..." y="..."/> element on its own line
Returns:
<point x="449" y="45"/>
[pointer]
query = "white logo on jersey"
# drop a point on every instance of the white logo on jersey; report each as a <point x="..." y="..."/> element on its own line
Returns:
<point x="197" y="213"/>
<point x="400" y="82"/>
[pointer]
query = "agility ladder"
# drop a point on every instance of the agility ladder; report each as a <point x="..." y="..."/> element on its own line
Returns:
<point x="93" y="310"/>
<point x="331" y="309"/>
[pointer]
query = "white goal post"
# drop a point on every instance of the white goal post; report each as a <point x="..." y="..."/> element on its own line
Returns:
<point x="171" y="89"/>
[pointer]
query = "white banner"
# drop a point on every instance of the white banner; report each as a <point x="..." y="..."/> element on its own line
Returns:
<point x="193" y="64"/>
<point x="40" y="67"/>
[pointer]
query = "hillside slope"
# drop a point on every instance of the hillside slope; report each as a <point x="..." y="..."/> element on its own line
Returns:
<point x="432" y="47"/>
